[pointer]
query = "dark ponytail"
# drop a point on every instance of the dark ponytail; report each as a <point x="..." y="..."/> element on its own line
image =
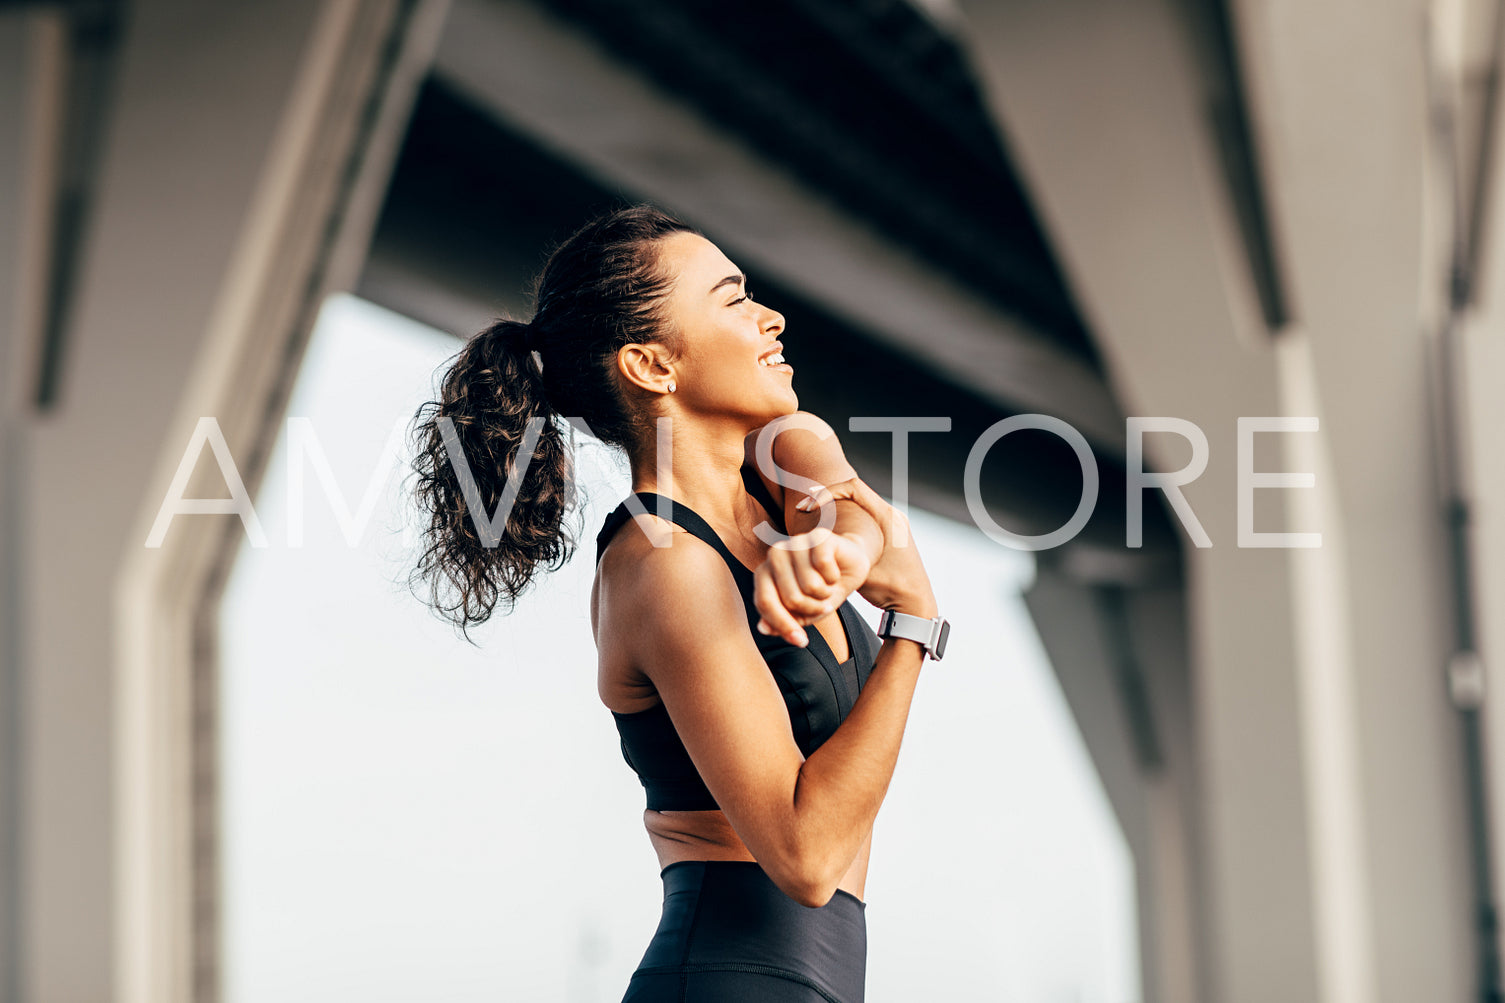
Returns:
<point x="599" y="291"/>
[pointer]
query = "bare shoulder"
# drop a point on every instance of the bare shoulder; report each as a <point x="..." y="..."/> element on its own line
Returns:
<point x="654" y="576"/>
<point x="685" y="593"/>
<point x="656" y="579"/>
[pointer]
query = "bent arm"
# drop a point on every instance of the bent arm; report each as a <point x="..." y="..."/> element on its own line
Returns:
<point x="805" y="449"/>
<point x="843" y="783"/>
<point x="804" y="820"/>
<point x="799" y="587"/>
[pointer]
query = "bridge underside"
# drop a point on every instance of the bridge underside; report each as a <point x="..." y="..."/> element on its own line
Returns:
<point x="1202" y="210"/>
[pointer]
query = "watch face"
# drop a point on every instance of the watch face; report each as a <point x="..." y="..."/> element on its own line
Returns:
<point x="940" y="644"/>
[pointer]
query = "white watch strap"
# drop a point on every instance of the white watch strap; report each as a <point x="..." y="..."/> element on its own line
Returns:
<point x="929" y="633"/>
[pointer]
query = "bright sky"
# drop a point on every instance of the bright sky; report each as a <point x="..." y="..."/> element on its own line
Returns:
<point x="409" y="817"/>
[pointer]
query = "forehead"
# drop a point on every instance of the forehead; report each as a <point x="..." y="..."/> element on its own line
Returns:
<point x="696" y="263"/>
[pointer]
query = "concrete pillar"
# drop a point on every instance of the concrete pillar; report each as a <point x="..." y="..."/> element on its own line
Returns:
<point x="1096" y="100"/>
<point x="1339" y="96"/>
<point x="1480" y="372"/>
<point x="246" y="154"/>
<point x="1119" y="655"/>
<point x="1331" y="809"/>
<point x="31" y="62"/>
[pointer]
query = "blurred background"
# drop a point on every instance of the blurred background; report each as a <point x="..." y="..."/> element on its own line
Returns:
<point x="1245" y="249"/>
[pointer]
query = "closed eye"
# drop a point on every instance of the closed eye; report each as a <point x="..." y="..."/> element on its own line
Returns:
<point x="747" y="296"/>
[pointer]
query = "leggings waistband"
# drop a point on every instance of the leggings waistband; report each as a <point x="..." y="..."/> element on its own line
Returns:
<point x="692" y="872"/>
<point x="729" y="914"/>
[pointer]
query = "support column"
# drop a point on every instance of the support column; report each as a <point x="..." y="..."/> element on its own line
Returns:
<point x="1333" y="809"/>
<point x="1102" y="104"/>
<point x="1339" y="95"/>
<point x="248" y="147"/>
<point x="31" y="63"/>
<point x="1119" y="656"/>
<point x="1480" y="375"/>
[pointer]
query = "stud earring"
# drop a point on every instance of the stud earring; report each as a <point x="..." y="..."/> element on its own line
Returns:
<point x="671" y="386"/>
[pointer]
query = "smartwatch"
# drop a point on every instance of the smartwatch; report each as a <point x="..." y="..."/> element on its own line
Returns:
<point x="930" y="634"/>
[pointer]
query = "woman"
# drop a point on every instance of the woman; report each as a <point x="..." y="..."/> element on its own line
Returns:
<point x="765" y="748"/>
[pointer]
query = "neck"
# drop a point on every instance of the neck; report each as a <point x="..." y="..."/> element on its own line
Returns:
<point x="701" y="468"/>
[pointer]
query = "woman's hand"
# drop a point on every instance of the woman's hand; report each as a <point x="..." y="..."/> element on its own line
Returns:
<point x="806" y="577"/>
<point x="897" y="580"/>
<point x="812" y="574"/>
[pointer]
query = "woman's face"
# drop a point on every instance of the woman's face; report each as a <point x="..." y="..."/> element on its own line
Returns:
<point x="727" y="338"/>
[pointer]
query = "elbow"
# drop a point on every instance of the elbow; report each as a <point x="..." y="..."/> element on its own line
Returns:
<point x="813" y="893"/>
<point x="810" y="882"/>
<point x="807" y="862"/>
<point x="817" y="896"/>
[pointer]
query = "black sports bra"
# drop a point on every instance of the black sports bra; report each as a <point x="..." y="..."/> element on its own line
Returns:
<point x="818" y="691"/>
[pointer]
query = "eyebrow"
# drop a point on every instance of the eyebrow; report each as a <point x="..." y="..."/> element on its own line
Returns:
<point x="733" y="279"/>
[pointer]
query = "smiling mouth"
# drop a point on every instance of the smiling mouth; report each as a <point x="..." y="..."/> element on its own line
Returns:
<point x="776" y="361"/>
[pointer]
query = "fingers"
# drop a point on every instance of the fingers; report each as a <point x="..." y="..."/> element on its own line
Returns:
<point x="869" y="499"/>
<point x="822" y="559"/>
<point x="892" y="523"/>
<point x="802" y="589"/>
<point x="820" y="495"/>
<point x="795" y="587"/>
<point x="776" y="618"/>
<point x="824" y="494"/>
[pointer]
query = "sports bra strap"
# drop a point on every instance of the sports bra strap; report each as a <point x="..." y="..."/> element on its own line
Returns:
<point x="681" y="515"/>
<point x="759" y="490"/>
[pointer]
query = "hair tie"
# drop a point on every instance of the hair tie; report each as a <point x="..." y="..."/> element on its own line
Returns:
<point x="530" y="337"/>
<point x="529" y="340"/>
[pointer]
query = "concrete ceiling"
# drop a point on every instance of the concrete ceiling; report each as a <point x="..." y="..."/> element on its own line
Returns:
<point x="849" y="169"/>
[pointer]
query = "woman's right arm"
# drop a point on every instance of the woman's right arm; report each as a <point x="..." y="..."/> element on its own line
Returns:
<point x="803" y="820"/>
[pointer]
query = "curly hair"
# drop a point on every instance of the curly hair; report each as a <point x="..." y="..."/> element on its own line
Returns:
<point x="504" y="393"/>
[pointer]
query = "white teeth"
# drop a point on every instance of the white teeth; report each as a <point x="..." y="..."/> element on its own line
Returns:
<point x="774" y="359"/>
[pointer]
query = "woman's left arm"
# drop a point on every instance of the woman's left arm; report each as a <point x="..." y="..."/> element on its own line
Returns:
<point x="802" y="582"/>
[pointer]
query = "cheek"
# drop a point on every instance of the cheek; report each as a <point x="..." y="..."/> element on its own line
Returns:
<point x="731" y="377"/>
<point x="727" y="347"/>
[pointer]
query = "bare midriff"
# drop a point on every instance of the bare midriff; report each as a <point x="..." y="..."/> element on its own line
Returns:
<point x="707" y="835"/>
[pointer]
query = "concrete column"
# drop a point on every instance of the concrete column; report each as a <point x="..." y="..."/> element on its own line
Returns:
<point x="1331" y="809"/>
<point x="1339" y="94"/>
<point x="246" y="154"/>
<point x="1336" y="862"/>
<point x="1110" y="647"/>
<point x="31" y="63"/>
<point x="1480" y="372"/>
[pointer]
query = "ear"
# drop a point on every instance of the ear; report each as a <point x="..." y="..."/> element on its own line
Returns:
<point x="645" y="365"/>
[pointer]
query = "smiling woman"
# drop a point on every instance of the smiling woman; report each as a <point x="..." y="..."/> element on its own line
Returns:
<point x="765" y="749"/>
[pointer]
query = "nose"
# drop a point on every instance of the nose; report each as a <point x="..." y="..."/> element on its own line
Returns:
<point x="773" y="321"/>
